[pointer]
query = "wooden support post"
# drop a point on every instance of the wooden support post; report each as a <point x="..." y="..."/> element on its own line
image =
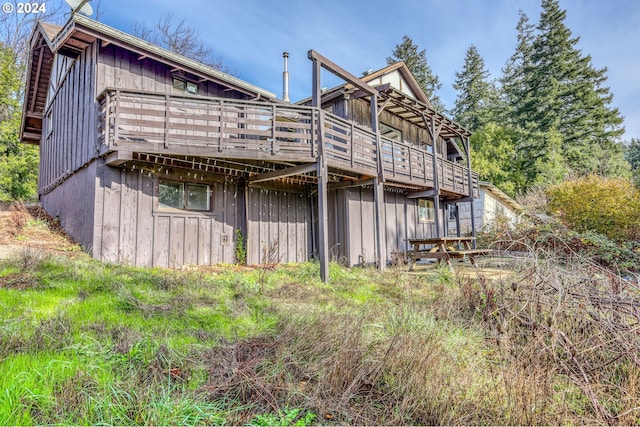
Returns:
<point x="221" y="126"/>
<point x="381" y="241"/>
<point x="323" y="176"/>
<point x="378" y="190"/>
<point x="167" y="107"/>
<point x="116" y="115"/>
<point x="273" y="129"/>
<point x="323" y="224"/>
<point x="436" y="179"/>
<point x="470" y="177"/>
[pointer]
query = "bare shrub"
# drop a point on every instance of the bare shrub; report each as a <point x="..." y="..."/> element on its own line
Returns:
<point x="569" y="318"/>
<point x="19" y="217"/>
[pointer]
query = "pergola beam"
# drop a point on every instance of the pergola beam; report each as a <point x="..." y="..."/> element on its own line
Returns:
<point x="283" y="173"/>
<point x="341" y="72"/>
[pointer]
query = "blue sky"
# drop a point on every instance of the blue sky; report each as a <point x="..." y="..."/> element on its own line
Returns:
<point x="358" y="35"/>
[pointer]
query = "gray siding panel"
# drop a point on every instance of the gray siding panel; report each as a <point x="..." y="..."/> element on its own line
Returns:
<point x="278" y="217"/>
<point x="73" y="203"/>
<point x="69" y="138"/>
<point x="131" y="229"/>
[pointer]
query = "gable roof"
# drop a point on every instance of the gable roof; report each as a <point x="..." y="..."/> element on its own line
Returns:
<point x="79" y="32"/>
<point x="399" y="76"/>
<point x="38" y="73"/>
<point x="50" y="30"/>
<point x="414" y="108"/>
<point x="502" y="196"/>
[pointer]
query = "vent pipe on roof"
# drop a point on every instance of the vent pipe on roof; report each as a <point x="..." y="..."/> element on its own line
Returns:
<point x="285" y="78"/>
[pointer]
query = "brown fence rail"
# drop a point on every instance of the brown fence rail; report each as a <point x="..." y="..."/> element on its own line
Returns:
<point x="259" y="129"/>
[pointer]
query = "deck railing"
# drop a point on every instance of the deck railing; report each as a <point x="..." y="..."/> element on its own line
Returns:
<point x="252" y="129"/>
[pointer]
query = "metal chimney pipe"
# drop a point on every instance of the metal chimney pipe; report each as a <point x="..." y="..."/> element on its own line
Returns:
<point x="285" y="79"/>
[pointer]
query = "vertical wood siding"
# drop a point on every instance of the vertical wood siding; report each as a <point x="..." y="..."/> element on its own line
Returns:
<point x="69" y="134"/>
<point x="352" y="224"/>
<point x="278" y="217"/>
<point x="131" y="229"/>
<point x="119" y="68"/>
<point x="73" y="204"/>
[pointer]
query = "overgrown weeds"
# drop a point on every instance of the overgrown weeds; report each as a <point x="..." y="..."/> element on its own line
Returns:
<point x="552" y="340"/>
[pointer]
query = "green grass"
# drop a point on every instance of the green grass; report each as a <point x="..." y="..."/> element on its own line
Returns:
<point x="83" y="342"/>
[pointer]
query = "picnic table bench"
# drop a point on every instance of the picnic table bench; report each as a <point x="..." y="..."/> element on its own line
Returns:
<point x="443" y="248"/>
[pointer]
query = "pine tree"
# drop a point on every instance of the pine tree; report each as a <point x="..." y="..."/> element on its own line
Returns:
<point x="477" y="96"/>
<point x="416" y="61"/>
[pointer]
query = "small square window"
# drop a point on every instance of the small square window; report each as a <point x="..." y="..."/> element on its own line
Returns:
<point x="179" y="85"/>
<point x="171" y="195"/>
<point x="192" y="88"/>
<point x="198" y="197"/>
<point x="426" y="211"/>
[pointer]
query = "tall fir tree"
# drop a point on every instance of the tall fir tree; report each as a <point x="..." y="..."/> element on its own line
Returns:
<point x="417" y="63"/>
<point x="477" y="96"/>
<point x="632" y="155"/>
<point x="567" y="95"/>
<point x="514" y="76"/>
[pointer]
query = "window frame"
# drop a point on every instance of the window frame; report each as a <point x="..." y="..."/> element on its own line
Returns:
<point x="184" y="188"/>
<point x="385" y="130"/>
<point x="183" y="86"/>
<point x="426" y="211"/>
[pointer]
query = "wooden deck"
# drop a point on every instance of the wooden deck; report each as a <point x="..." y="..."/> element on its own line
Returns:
<point x="144" y="122"/>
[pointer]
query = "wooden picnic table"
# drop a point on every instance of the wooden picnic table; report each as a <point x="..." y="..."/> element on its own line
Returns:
<point x="443" y="248"/>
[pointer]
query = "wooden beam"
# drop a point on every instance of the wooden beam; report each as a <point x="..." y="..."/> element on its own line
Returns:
<point x="341" y="72"/>
<point x="33" y="100"/>
<point x="350" y="184"/>
<point x="361" y="94"/>
<point x="117" y="158"/>
<point x="30" y="138"/>
<point x="462" y="200"/>
<point x="426" y="194"/>
<point x="282" y="173"/>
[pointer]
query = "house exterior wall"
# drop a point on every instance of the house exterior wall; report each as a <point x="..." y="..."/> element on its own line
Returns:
<point x="352" y="237"/>
<point x="278" y="219"/>
<point x="121" y="69"/>
<point x="72" y="202"/>
<point x="131" y="228"/>
<point x="69" y="134"/>
<point x="487" y="209"/>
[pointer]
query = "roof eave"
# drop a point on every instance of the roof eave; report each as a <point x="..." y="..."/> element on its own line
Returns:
<point x="142" y="47"/>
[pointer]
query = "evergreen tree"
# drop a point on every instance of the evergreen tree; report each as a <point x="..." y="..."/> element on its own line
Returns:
<point x="567" y="96"/>
<point x="514" y="76"/>
<point x="476" y="95"/>
<point x="416" y="61"/>
<point x="632" y="155"/>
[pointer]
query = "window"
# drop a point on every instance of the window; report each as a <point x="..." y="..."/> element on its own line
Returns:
<point x="192" y="88"/>
<point x="186" y="196"/>
<point x="389" y="132"/>
<point x="426" y="211"/>
<point x="184" y="86"/>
